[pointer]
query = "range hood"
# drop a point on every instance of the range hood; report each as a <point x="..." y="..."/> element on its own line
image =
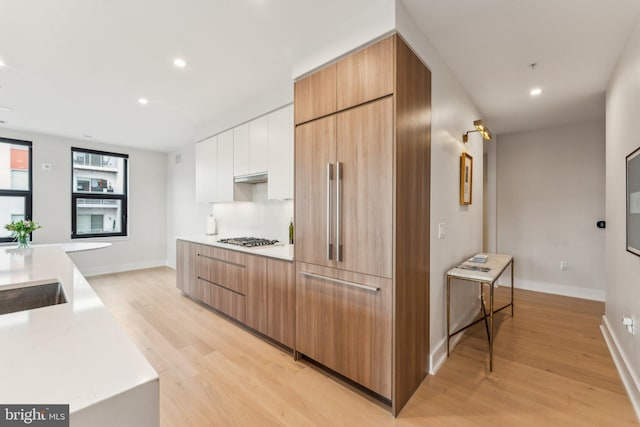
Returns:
<point x="252" y="178"/>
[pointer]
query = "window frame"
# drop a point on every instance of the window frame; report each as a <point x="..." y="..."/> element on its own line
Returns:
<point x="26" y="194"/>
<point x="124" y="227"/>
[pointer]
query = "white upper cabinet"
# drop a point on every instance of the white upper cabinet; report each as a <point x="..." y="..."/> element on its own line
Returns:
<point x="263" y="145"/>
<point x="241" y="150"/>
<point x="206" y="170"/>
<point x="280" y="154"/>
<point x="258" y="136"/>
<point x="225" y="168"/>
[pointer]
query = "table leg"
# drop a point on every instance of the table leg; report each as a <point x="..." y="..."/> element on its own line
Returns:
<point x="512" y="286"/>
<point x="491" y="327"/>
<point x="483" y="310"/>
<point x="448" y="312"/>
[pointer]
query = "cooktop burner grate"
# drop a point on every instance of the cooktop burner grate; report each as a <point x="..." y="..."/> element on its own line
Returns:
<point x="248" y="242"/>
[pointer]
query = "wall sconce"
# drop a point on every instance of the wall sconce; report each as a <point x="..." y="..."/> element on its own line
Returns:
<point x="480" y="127"/>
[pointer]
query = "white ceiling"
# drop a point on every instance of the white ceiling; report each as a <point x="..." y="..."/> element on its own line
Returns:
<point x="77" y="67"/>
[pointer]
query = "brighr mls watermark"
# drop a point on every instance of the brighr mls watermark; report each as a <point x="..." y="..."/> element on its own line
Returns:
<point x="34" y="415"/>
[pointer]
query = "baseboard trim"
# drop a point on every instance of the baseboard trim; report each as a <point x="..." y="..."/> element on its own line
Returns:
<point x="552" y="288"/>
<point x="629" y="379"/>
<point x="439" y="355"/>
<point x="109" y="269"/>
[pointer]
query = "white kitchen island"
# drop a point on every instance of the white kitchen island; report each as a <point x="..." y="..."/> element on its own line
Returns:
<point x="72" y="353"/>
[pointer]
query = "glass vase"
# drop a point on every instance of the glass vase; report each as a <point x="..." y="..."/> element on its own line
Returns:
<point x="23" y="240"/>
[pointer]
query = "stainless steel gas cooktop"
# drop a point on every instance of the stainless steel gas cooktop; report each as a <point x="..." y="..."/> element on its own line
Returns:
<point x="248" y="242"/>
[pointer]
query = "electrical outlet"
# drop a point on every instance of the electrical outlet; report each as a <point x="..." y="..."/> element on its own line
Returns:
<point x="629" y="323"/>
<point x="441" y="230"/>
<point x="563" y="265"/>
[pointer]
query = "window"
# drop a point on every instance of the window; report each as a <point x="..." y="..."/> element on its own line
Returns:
<point x="98" y="193"/>
<point x="15" y="183"/>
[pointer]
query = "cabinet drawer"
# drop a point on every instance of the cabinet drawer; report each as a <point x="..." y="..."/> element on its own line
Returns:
<point x="343" y="320"/>
<point x="223" y="268"/>
<point x="222" y="299"/>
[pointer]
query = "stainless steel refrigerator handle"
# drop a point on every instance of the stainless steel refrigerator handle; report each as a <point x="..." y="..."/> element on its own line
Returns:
<point x="329" y="176"/>
<point x="342" y="282"/>
<point x="338" y="213"/>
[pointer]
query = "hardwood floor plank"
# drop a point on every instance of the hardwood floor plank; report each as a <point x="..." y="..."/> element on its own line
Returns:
<point x="551" y="367"/>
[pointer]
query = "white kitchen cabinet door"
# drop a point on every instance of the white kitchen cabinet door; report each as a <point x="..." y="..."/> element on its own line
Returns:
<point x="279" y="151"/>
<point x="207" y="170"/>
<point x="258" y="136"/>
<point x="225" y="167"/>
<point x="241" y="150"/>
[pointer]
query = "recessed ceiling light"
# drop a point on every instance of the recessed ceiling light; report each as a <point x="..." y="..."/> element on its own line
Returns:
<point x="1" y="63"/>
<point x="143" y="101"/>
<point x="179" y="62"/>
<point x="5" y="108"/>
<point x="535" y="91"/>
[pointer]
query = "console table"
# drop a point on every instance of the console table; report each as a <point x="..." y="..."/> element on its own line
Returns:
<point x="483" y="274"/>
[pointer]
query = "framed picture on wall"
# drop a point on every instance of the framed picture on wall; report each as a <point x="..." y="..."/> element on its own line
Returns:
<point x="466" y="178"/>
<point x="633" y="202"/>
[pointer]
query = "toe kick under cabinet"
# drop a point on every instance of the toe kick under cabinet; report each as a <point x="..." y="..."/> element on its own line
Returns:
<point x="255" y="290"/>
<point x="362" y="180"/>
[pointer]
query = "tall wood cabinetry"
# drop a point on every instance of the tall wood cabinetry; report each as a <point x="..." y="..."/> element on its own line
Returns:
<point x="362" y="166"/>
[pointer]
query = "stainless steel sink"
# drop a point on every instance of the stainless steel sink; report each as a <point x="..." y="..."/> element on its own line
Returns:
<point x="31" y="296"/>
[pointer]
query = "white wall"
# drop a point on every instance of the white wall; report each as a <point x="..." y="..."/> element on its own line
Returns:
<point x="490" y="218"/>
<point x="550" y="196"/>
<point x="453" y="114"/>
<point x="622" y="267"/>
<point x="145" y="245"/>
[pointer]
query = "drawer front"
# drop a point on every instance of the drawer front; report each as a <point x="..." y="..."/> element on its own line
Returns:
<point x="225" y="273"/>
<point x="343" y="320"/>
<point x="224" y="300"/>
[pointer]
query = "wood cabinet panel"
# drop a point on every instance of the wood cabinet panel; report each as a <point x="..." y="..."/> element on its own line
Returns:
<point x="223" y="268"/>
<point x="346" y="328"/>
<point x="315" y="95"/>
<point x="365" y="151"/>
<point x="281" y="303"/>
<point x="315" y="149"/>
<point x="186" y="267"/>
<point x="366" y="75"/>
<point x="256" y="296"/>
<point x="413" y="92"/>
<point x="224" y="300"/>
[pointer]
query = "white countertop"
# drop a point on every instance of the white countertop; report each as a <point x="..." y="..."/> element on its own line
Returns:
<point x="73" y="353"/>
<point x="279" y="251"/>
<point x="69" y="247"/>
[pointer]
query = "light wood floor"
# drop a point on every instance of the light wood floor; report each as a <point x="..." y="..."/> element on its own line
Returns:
<point x="551" y="367"/>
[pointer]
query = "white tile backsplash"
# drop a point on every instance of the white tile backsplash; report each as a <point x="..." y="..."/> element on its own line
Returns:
<point x="259" y="218"/>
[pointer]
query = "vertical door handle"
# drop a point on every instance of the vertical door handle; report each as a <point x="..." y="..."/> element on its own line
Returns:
<point x="329" y="178"/>
<point x="338" y="213"/>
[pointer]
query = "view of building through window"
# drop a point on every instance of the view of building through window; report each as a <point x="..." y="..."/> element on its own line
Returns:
<point x="15" y="191"/>
<point x="98" y="193"/>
